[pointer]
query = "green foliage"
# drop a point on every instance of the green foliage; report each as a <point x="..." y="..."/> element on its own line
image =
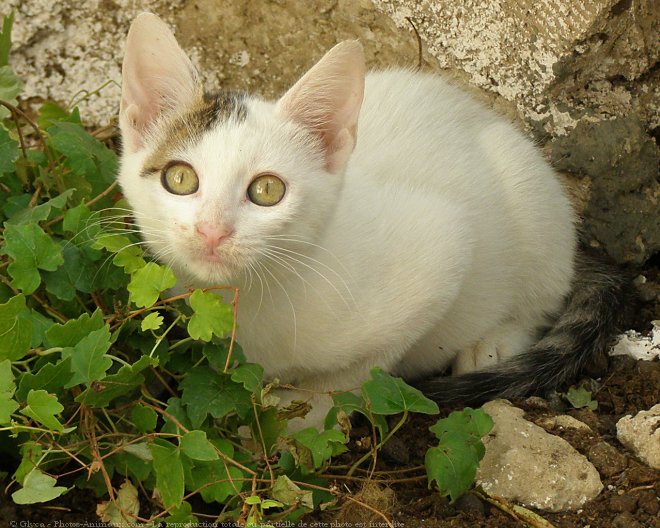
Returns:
<point x="389" y="395"/>
<point x="453" y="463"/>
<point x="37" y="487"/>
<point x="580" y="397"/>
<point x="107" y="376"/>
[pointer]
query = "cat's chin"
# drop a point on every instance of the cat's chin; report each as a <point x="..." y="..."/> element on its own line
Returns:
<point x="211" y="270"/>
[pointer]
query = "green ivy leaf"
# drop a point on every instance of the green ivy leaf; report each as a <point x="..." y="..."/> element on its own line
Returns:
<point x="7" y="388"/>
<point x="52" y="377"/>
<point x="8" y="151"/>
<point x="85" y="229"/>
<point x="77" y="274"/>
<point x="176" y="409"/>
<point x="40" y="212"/>
<point x="73" y="331"/>
<point x="350" y="403"/>
<point x="123" y="510"/>
<point x="153" y="321"/>
<point x="196" y="446"/>
<point x="211" y="317"/>
<point x="473" y="422"/>
<point x="15" y="330"/>
<point x="7" y="385"/>
<point x="208" y="392"/>
<point x="30" y="249"/>
<point x="169" y="473"/>
<point x="122" y="383"/>
<point x="7" y="408"/>
<point x="144" y="418"/>
<point x="40" y="325"/>
<point x="88" y="360"/>
<point x="389" y="395"/>
<point x="5" y="38"/>
<point x="289" y="493"/>
<point x="51" y="113"/>
<point x="37" y="487"/>
<point x="271" y="427"/>
<point x="453" y="464"/>
<point x="226" y="478"/>
<point x="148" y="282"/>
<point x="312" y="448"/>
<point x="84" y="155"/>
<point x="249" y="375"/>
<point x="31" y="453"/>
<point x="43" y="407"/>
<point x="10" y="87"/>
<point x="580" y="397"/>
<point x="181" y="516"/>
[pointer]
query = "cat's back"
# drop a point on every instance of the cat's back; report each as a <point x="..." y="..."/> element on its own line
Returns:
<point x="413" y="109"/>
<point x="424" y="131"/>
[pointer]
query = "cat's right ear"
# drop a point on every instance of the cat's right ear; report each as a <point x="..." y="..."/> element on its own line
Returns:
<point x="327" y="101"/>
<point x="157" y="77"/>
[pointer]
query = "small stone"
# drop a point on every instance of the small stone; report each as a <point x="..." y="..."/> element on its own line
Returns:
<point x="649" y="501"/>
<point x="625" y="520"/>
<point x="566" y="421"/>
<point x="396" y="450"/>
<point x="586" y="416"/>
<point x="525" y="464"/>
<point x="641" y="434"/>
<point x="623" y="503"/>
<point x="469" y="503"/>
<point x="643" y="475"/>
<point x="538" y="403"/>
<point x="607" y="459"/>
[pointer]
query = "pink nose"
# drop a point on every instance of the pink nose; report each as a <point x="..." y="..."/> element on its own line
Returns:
<point x="212" y="234"/>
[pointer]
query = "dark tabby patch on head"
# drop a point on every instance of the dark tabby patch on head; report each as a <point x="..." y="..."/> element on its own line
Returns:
<point x="204" y="113"/>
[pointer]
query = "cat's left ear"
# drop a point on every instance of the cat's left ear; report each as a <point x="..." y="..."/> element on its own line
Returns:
<point x="327" y="100"/>
<point x="157" y="77"/>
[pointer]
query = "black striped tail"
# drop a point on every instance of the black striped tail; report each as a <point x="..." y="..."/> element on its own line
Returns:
<point x="593" y="313"/>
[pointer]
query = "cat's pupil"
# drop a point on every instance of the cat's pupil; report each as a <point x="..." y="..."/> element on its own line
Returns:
<point x="180" y="179"/>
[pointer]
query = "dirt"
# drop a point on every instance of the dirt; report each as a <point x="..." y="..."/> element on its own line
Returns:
<point x="631" y="495"/>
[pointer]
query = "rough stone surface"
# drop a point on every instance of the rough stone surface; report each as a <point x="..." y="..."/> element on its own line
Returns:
<point x="560" y="61"/>
<point x="525" y="464"/>
<point x="262" y="47"/>
<point x="564" y="421"/>
<point x="641" y="434"/>
<point x="622" y="162"/>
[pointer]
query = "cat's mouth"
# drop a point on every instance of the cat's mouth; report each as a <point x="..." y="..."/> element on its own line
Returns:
<point x="215" y="265"/>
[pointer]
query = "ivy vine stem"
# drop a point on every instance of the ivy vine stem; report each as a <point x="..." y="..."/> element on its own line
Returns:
<point x="399" y="424"/>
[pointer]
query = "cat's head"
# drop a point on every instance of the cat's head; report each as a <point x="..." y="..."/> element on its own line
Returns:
<point x="215" y="179"/>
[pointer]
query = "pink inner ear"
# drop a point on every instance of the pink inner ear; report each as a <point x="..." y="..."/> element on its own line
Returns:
<point x="327" y="100"/>
<point x="156" y="76"/>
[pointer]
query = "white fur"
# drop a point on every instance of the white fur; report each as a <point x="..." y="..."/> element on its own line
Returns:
<point x="446" y="239"/>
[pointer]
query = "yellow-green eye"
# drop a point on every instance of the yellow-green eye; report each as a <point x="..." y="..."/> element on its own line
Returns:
<point x="179" y="178"/>
<point x="266" y="190"/>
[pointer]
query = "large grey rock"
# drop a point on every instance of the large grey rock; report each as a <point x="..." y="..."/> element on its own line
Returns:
<point x="525" y="464"/>
<point x="641" y="434"/>
<point x="622" y="161"/>
<point x="559" y="61"/>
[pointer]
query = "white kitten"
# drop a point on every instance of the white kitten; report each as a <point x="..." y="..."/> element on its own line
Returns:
<point x="387" y="220"/>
